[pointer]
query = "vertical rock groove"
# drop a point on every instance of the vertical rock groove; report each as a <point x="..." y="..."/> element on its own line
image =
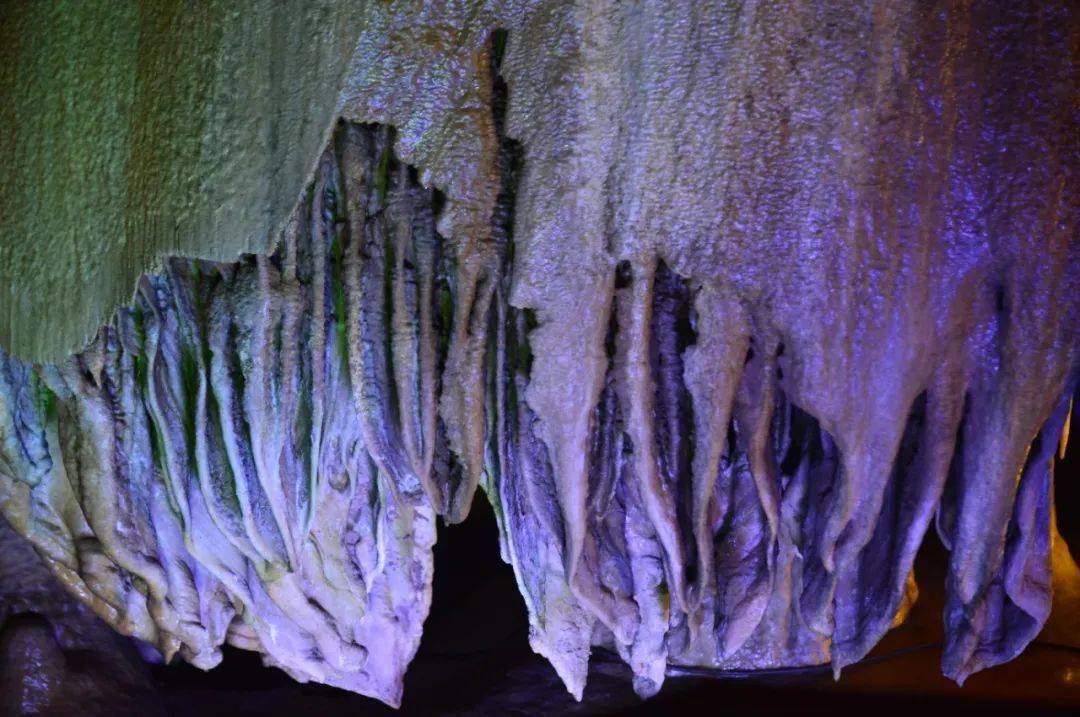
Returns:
<point x="245" y="454"/>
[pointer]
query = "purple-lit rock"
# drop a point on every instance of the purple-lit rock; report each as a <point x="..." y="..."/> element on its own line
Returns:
<point x="725" y="305"/>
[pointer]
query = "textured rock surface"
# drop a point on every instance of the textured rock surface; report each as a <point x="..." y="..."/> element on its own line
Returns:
<point x="205" y="470"/>
<point x="56" y="656"/>
<point x="136" y="131"/>
<point x="728" y="301"/>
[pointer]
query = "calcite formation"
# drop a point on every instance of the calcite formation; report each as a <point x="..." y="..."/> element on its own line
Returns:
<point x="721" y="304"/>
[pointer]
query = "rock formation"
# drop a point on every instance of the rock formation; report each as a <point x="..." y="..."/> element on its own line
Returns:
<point x="721" y="304"/>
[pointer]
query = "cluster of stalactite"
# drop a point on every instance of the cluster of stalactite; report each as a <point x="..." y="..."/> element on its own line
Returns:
<point x="246" y="454"/>
<point x="257" y="453"/>
<point x="721" y="331"/>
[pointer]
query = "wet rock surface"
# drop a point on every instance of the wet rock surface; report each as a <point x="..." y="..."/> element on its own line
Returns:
<point x="720" y="304"/>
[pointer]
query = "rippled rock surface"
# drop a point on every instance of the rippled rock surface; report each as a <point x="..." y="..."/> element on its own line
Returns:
<point x="721" y="304"/>
<point x="235" y="458"/>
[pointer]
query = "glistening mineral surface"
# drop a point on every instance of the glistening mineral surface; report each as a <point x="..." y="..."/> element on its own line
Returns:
<point x="722" y="304"/>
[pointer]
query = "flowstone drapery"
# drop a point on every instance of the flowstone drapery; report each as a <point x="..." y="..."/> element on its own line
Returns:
<point x="721" y="305"/>
<point x="223" y="462"/>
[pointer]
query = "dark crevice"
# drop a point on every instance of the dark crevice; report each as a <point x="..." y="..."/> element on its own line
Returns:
<point x="883" y="552"/>
<point x="672" y="334"/>
<point x="1067" y="486"/>
<point x="605" y="429"/>
<point x="999" y="299"/>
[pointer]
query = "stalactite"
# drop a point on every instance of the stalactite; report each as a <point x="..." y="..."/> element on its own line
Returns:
<point x="244" y="455"/>
<point x="720" y="305"/>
